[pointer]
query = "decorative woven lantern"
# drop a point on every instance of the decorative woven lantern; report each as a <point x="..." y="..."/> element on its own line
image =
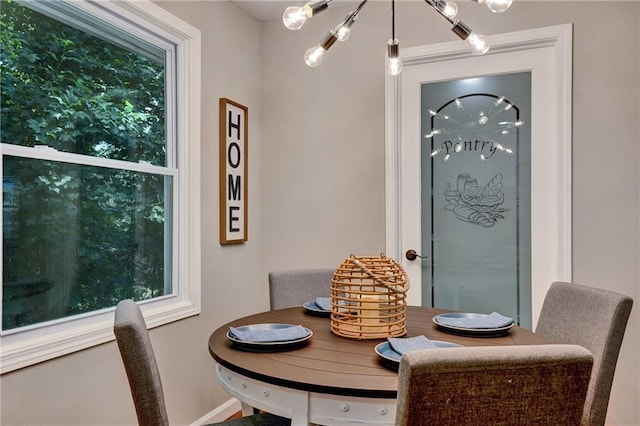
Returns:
<point x="368" y="298"/>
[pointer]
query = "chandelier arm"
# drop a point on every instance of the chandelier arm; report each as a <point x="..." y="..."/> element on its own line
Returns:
<point x="360" y="6"/>
<point x="343" y="29"/>
<point x="434" y="6"/>
<point x="393" y="19"/>
<point x="318" y="6"/>
<point x="353" y="15"/>
<point x="393" y="63"/>
<point x="295" y="17"/>
<point x="328" y="40"/>
<point x="461" y="29"/>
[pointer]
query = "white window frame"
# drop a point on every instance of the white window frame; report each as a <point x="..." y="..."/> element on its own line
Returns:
<point x="29" y="345"/>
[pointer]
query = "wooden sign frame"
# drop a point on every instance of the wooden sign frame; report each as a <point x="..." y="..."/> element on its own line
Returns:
<point x="233" y="153"/>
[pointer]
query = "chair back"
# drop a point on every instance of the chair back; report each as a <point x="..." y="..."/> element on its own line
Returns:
<point x="493" y="385"/>
<point x="139" y="361"/>
<point x="595" y="319"/>
<point x="291" y="288"/>
<point x="144" y="377"/>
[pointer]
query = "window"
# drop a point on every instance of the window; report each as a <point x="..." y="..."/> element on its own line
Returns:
<point x="100" y="165"/>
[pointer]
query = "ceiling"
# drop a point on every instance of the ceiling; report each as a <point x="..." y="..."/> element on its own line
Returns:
<point x="265" y="10"/>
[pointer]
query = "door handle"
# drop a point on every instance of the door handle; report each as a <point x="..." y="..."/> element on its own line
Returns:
<point x="411" y="254"/>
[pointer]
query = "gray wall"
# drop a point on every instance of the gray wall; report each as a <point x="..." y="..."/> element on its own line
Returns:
<point x="316" y="152"/>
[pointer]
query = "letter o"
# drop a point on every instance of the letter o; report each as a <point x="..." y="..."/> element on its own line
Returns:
<point x="233" y="147"/>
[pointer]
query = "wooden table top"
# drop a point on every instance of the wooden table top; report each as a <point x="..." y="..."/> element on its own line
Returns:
<point x="333" y="364"/>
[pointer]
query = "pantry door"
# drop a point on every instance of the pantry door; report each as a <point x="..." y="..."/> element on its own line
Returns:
<point x="479" y="170"/>
<point x="476" y="194"/>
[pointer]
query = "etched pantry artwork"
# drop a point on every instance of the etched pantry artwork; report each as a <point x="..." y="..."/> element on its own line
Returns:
<point x="479" y="205"/>
<point x="474" y="148"/>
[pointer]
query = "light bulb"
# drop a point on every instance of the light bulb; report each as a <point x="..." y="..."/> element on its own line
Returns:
<point x="498" y="6"/>
<point x="294" y="17"/>
<point x="447" y="8"/>
<point x="393" y="64"/>
<point x="343" y="30"/>
<point x="478" y="43"/>
<point x="343" y="33"/>
<point x="313" y="56"/>
<point x="450" y="10"/>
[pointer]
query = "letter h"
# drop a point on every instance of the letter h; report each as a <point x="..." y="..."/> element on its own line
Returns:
<point x="233" y="125"/>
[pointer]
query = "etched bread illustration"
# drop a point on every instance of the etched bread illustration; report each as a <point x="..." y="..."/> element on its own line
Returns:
<point x="485" y="199"/>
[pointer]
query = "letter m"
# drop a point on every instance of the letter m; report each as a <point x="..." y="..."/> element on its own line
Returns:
<point x="234" y="187"/>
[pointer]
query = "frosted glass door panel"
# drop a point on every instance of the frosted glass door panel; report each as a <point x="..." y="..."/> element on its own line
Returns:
<point x="476" y="195"/>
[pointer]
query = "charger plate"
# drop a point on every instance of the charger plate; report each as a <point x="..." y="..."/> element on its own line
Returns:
<point x="391" y="358"/>
<point x="283" y="345"/>
<point x="466" y="331"/>
<point x="312" y="308"/>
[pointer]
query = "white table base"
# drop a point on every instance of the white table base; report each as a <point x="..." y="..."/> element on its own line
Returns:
<point x="303" y="407"/>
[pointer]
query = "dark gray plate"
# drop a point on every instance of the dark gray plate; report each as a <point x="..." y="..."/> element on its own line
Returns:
<point x="391" y="358"/>
<point x="267" y="346"/>
<point x="469" y="331"/>
<point x="313" y="309"/>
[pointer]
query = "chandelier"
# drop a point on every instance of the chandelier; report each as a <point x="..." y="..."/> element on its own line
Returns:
<point x="294" y="18"/>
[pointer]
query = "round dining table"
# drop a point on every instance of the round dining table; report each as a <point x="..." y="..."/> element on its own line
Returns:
<point x="328" y="380"/>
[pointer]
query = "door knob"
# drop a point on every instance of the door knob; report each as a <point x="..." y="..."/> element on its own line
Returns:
<point x="411" y="254"/>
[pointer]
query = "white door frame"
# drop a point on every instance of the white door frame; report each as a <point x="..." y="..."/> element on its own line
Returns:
<point x="547" y="54"/>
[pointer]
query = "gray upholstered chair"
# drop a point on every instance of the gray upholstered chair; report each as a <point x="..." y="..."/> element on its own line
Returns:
<point x="290" y="288"/>
<point x="595" y="319"/>
<point x="139" y="361"/>
<point x="493" y="385"/>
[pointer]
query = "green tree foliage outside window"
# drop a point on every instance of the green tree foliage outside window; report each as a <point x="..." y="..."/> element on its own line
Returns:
<point x="79" y="237"/>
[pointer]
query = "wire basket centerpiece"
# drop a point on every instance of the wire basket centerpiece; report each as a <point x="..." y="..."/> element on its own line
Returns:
<point x="368" y="298"/>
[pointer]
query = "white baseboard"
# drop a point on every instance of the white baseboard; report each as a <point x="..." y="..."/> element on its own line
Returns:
<point x="220" y="413"/>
